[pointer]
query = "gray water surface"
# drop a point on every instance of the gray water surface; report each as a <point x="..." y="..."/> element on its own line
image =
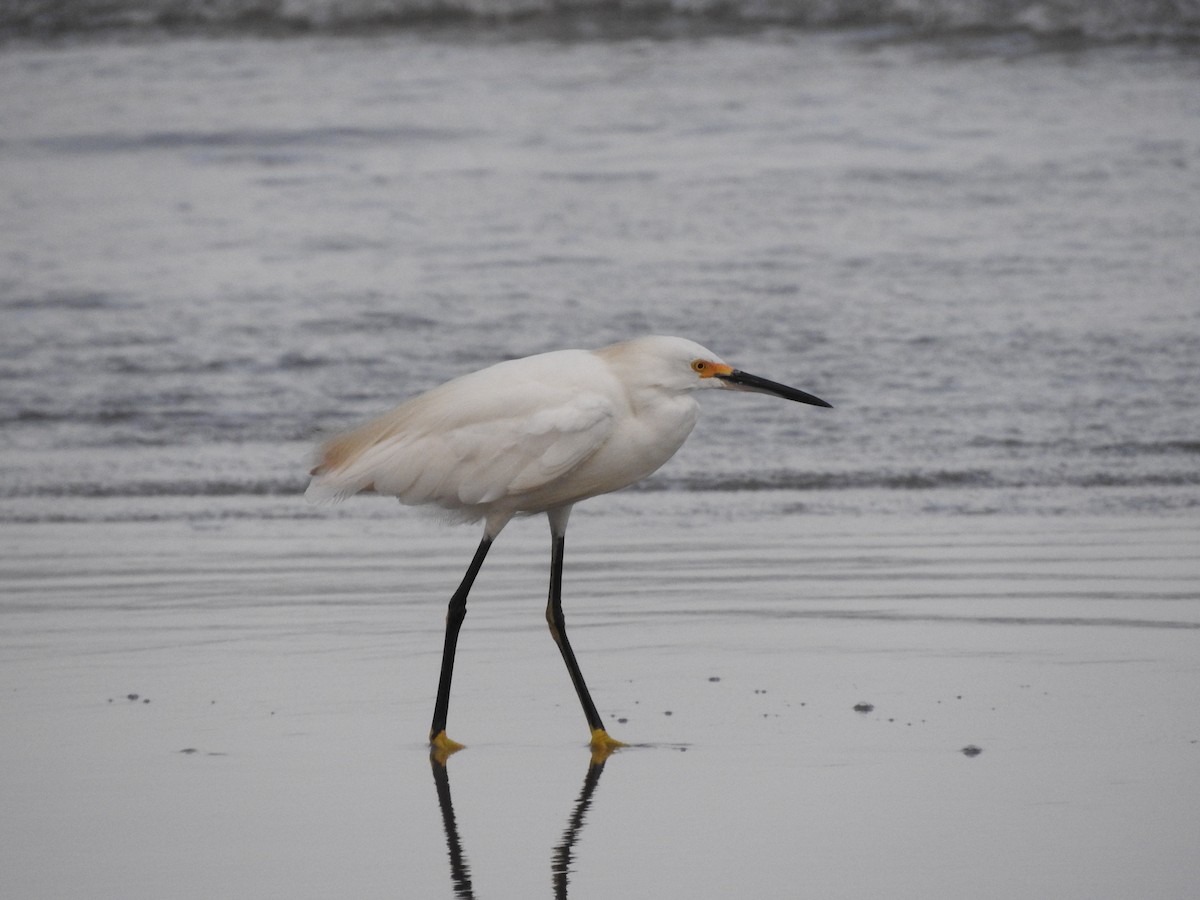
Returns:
<point x="218" y="250"/>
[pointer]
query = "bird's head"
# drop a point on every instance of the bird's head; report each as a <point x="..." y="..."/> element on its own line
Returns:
<point x="686" y="365"/>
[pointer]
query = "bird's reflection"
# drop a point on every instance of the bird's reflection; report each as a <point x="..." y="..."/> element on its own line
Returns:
<point x="460" y="872"/>
<point x="560" y="862"/>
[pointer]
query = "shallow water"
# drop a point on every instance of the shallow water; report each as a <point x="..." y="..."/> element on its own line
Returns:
<point x="285" y="672"/>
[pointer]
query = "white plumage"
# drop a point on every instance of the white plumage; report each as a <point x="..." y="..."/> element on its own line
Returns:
<point x="533" y="435"/>
<point x="525" y="435"/>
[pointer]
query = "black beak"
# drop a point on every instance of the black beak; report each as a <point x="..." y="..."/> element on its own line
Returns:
<point x="744" y="381"/>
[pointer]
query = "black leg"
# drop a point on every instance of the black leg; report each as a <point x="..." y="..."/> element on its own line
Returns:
<point x="558" y="629"/>
<point x="455" y="614"/>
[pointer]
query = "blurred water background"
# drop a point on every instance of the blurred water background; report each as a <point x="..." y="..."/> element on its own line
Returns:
<point x="231" y="227"/>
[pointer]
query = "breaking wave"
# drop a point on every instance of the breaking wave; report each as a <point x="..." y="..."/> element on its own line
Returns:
<point x="1092" y="20"/>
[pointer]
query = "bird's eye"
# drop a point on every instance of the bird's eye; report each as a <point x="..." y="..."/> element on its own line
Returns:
<point x="699" y="365"/>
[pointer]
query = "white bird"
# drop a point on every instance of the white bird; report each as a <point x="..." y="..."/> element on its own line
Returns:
<point x="533" y="435"/>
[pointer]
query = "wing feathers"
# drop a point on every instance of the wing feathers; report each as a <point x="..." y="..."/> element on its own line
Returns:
<point x="466" y="445"/>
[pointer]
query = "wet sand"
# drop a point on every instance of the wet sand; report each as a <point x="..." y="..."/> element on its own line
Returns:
<point x="284" y="672"/>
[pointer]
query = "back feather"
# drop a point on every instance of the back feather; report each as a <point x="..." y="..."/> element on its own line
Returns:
<point x="487" y="437"/>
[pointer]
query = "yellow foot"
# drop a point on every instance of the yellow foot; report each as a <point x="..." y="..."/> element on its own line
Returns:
<point x="603" y="745"/>
<point x="441" y="747"/>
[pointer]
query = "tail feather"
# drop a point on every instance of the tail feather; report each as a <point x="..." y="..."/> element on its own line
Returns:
<point x="326" y="488"/>
<point x="331" y="482"/>
<point x="340" y="472"/>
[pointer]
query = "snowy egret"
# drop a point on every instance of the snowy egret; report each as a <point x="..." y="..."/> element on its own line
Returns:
<point x="532" y="435"/>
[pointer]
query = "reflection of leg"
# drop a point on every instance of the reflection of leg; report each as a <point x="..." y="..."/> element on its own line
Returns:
<point x="560" y="866"/>
<point x="460" y="872"/>
<point x="455" y="614"/>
